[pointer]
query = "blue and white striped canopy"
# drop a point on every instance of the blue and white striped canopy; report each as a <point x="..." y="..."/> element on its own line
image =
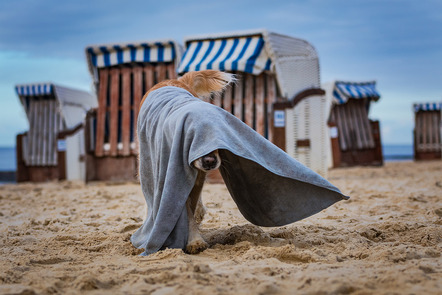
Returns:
<point x="111" y="55"/>
<point x="240" y="53"/>
<point x="342" y="91"/>
<point x="34" y="89"/>
<point x="428" y="106"/>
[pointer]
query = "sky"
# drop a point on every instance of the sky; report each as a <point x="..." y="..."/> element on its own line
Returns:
<point x="398" y="43"/>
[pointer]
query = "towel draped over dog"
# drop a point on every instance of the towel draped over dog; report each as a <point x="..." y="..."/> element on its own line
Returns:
<point x="269" y="187"/>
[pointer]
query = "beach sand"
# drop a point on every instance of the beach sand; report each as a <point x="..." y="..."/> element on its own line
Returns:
<point x="72" y="238"/>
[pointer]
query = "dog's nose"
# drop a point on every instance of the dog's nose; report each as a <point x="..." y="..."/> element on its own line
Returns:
<point x="209" y="162"/>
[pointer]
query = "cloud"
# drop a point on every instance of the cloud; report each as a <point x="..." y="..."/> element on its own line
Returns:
<point x="395" y="42"/>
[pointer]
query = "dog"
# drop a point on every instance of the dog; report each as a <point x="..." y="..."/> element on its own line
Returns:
<point x="200" y="84"/>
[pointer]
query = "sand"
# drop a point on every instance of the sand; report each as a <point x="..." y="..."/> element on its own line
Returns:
<point x="72" y="238"/>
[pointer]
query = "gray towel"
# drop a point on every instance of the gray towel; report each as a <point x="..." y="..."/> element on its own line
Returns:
<point x="269" y="187"/>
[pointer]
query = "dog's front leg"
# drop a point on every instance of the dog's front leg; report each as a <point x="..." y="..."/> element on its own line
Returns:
<point x="196" y="205"/>
<point x="195" y="242"/>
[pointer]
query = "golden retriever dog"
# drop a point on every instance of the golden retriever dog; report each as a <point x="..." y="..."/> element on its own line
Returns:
<point x="200" y="84"/>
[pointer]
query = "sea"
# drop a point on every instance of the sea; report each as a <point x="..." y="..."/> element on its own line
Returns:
<point x="392" y="152"/>
<point x="397" y="152"/>
<point x="7" y="165"/>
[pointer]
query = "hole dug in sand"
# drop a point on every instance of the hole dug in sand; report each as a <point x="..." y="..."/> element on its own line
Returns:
<point x="241" y="233"/>
<point x="253" y="243"/>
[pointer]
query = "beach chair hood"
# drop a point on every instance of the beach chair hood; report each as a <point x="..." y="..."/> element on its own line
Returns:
<point x="269" y="187"/>
<point x="293" y="61"/>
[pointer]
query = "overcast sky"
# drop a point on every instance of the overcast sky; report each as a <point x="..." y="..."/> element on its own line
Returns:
<point x="397" y="43"/>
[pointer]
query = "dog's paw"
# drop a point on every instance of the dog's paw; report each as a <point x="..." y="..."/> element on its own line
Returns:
<point x="196" y="246"/>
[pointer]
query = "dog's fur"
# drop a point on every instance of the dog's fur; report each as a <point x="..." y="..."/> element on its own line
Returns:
<point x="200" y="84"/>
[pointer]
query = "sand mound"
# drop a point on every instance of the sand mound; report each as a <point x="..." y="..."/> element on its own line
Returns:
<point x="71" y="238"/>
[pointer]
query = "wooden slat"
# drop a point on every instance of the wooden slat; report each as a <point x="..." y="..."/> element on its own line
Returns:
<point x="45" y="152"/>
<point x="351" y="123"/>
<point x="34" y="135"/>
<point x="227" y="99"/>
<point x="351" y="129"/>
<point x="418" y="130"/>
<point x="345" y="143"/>
<point x="138" y="89"/>
<point x="51" y="126"/>
<point x="435" y="131"/>
<point x="43" y="133"/>
<point x="87" y="134"/>
<point x="336" y="151"/>
<point x="52" y="148"/>
<point x="39" y="135"/>
<point x="438" y="126"/>
<point x="114" y="99"/>
<point x="422" y="131"/>
<point x="238" y="99"/>
<point x="342" y="135"/>
<point x="138" y="94"/>
<point x="149" y="77"/>
<point x="101" y="112"/>
<point x="216" y="99"/>
<point x="171" y="72"/>
<point x="260" y="100"/>
<point x="338" y="124"/>
<point x="355" y="128"/>
<point x="30" y="137"/>
<point x="161" y="72"/>
<point x="126" y="105"/>
<point x="367" y="133"/>
<point x="32" y="132"/>
<point x="425" y="130"/>
<point x="56" y="126"/>
<point x="430" y="130"/>
<point x="28" y="143"/>
<point x="60" y="126"/>
<point x="279" y="137"/>
<point x="370" y="139"/>
<point x="358" y="127"/>
<point x="52" y="132"/>
<point x="92" y="130"/>
<point x="270" y="100"/>
<point x="248" y="100"/>
<point x="48" y="132"/>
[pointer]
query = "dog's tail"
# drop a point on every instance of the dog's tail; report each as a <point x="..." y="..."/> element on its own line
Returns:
<point x="203" y="83"/>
